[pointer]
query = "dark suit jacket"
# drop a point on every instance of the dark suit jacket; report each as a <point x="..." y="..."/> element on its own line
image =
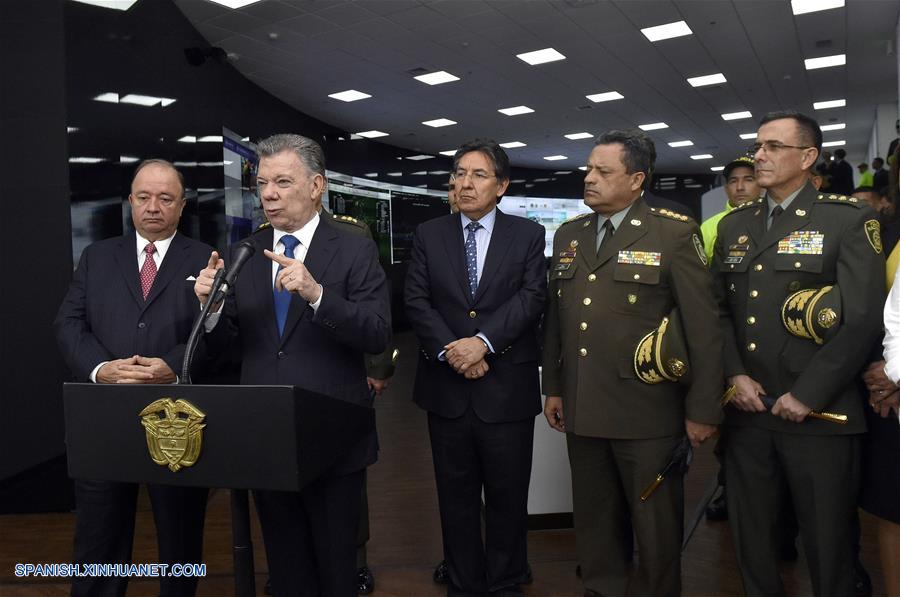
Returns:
<point x="600" y="308"/>
<point x="321" y="351"/>
<point x="105" y="317"/>
<point x="841" y="177"/>
<point x="506" y="308"/>
<point x="751" y="293"/>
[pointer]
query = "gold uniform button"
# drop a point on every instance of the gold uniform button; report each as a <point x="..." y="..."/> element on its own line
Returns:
<point x="583" y="325"/>
<point x="583" y="352"/>
<point x="754" y="293"/>
<point x="592" y="277"/>
<point x="797" y="265"/>
<point x="758" y="267"/>
<point x="751" y="347"/>
<point x="472" y="314"/>
<point x="637" y="276"/>
<point x="587" y="301"/>
<point x="751" y="320"/>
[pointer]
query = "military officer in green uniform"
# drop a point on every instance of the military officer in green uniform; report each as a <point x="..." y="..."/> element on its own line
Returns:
<point x="799" y="356"/>
<point x="615" y="274"/>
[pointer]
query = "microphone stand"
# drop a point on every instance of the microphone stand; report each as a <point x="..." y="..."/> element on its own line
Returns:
<point x="194" y="338"/>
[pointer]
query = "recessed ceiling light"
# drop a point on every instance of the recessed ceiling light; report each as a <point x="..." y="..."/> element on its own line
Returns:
<point x="563" y="172"/>
<point x="737" y="115"/>
<point x="210" y="139"/>
<point x="833" y="143"/>
<point x="140" y="100"/>
<point x="371" y="174"/>
<point x="717" y="168"/>
<point x="351" y="95"/>
<point x="419" y="157"/>
<point x="439" y="122"/>
<point x="372" y="134"/>
<point x="684" y="143"/>
<point x="108" y="97"/>
<point x="439" y="172"/>
<point x="71" y="129"/>
<point x="115" y="4"/>
<point x="582" y="168"/>
<point x="653" y="126"/>
<point x="449" y="152"/>
<point x="707" y="80"/>
<point x="577" y="136"/>
<point x="512" y="144"/>
<point x="839" y="103"/>
<point x="606" y="96"/>
<point x="188" y="139"/>
<point x="235" y="3"/>
<point x="128" y="159"/>
<point x="554" y="158"/>
<point x="181" y="164"/>
<point x="420" y="173"/>
<point x="541" y="180"/>
<point x="833" y="127"/>
<point x="667" y="31"/>
<point x="701" y="156"/>
<point x="516" y="110"/>
<point x="436" y="78"/>
<point x="825" y="61"/>
<point x="395" y="173"/>
<point x="166" y="101"/>
<point x="540" y="56"/>
<point x="85" y="160"/>
<point x="746" y="136"/>
<point x="800" y="7"/>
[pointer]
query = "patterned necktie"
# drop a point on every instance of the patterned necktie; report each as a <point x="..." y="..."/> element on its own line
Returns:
<point x="472" y="256"/>
<point x="283" y="297"/>
<point x="607" y="234"/>
<point x="776" y="211"/>
<point x="148" y="270"/>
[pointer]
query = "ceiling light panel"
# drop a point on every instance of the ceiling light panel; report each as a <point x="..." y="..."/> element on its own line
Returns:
<point x="834" y="143"/>
<point x="436" y="78"/>
<point x="372" y="134"/>
<point x="351" y="95"/>
<point x="684" y="143"/>
<point x="653" y="126"/>
<point x="516" y="110"/>
<point x="540" y="56"/>
<point x="512" y="144"/>
<point x="607" y="96"/>
<point x="746" y="136"/>
<point x="737" y="115"/>
<point x="838" y="103"/>
<point x="833" y="127"/>
<point x="825" y="61"/>
<point x="577" y="136"/>
<point x="667" y="31"/>
<point x="707" y="80"/>
<point x="801" y="7"/>
<point x="439" y="122"/>
<point x="701" y="156"/>
<point x="555" y="158"/>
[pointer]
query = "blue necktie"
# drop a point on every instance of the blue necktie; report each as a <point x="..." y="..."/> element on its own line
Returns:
<point x="283" y="297"/>
<point x="472" y="256"/>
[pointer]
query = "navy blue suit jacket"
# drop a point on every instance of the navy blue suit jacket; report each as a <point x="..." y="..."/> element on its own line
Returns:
<point x="321" y="351"/>
<point x="507" y="308"/>
<point x="104" y="315"/>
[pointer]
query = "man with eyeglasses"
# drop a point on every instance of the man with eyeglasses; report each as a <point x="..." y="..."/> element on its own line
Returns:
<point x="798" y="243"/>
<point x="310" y="303"/>
<point x="475" y="291"/>
<point x="125" y="319"/>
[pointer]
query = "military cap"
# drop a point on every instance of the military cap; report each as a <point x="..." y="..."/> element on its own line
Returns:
<point x="662" y="354"/>
<point x="813" y="313"/>
<point x="743" y="161"/>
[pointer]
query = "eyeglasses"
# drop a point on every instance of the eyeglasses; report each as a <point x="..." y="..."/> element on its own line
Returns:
<point x="478" y="176"/>
<point x="772" y="147"/>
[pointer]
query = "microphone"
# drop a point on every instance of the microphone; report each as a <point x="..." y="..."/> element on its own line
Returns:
<point x="244" y="252"/>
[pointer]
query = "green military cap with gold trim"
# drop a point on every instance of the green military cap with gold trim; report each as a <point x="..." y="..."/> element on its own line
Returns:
<point x="813" y="313"/>
<point x="662" y="354"/>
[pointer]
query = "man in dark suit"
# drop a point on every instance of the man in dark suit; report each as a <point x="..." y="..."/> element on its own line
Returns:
<point x="475" y="290"/>
<point x="615" y="275"/>
<point x="310" y="303"/>
<point x="840" y="173"/>
<point x="125" y="319"/>
<point x="795" y="239"/>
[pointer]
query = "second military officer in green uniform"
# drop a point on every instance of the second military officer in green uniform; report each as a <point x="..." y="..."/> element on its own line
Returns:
<point x="615" y="274"/>
<point x="795" y="352"/>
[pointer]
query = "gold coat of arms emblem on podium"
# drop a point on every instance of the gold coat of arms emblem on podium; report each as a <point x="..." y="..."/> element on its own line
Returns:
<point x="174" y="432"/>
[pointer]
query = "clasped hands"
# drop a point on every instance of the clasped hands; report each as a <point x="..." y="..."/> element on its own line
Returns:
<point x="466" y="356"/>
<point x="136" y="369"/>
<point x="884" y="394"/>
<point x="747" y="398"/>
<point x="293" y="277"/>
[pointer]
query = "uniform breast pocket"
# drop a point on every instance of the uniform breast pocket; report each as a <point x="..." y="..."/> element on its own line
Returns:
<point x="635" y="284"/>
<point x="562" y="276"/>
<point x="799" y="271"/>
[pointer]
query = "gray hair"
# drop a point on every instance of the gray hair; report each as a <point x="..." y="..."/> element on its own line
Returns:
<point x="309" y="152"/>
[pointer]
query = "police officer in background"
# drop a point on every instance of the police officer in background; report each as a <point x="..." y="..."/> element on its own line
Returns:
<point x="787" y="358"/>
<point x="615" y="274"/>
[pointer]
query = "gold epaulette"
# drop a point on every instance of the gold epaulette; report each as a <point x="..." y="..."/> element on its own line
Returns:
<point x="843" y="199"/>
<point x="262" y="227"/>
<point x="743" y="206"/>
<point x="575" y="218"/>
<point x="347" y="220"/>
<point x="670" y="214"/>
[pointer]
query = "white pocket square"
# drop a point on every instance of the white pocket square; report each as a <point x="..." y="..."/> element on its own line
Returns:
<point x="190" y="279"/>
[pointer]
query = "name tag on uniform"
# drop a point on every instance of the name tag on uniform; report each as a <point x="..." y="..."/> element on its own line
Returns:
<point x="640" y="257"/>
<point x="802" y="242"/>
<point x="561" y="267"/>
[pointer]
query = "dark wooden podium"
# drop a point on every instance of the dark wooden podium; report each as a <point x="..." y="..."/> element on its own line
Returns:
<point x="277" y="438"/>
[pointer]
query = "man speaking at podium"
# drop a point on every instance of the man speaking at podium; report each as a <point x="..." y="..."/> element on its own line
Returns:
<point x="125" y="319"/>
<point x="311" y="301"/>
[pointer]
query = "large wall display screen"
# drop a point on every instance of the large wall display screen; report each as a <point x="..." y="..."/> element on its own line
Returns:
<point x="548" y="212"/>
